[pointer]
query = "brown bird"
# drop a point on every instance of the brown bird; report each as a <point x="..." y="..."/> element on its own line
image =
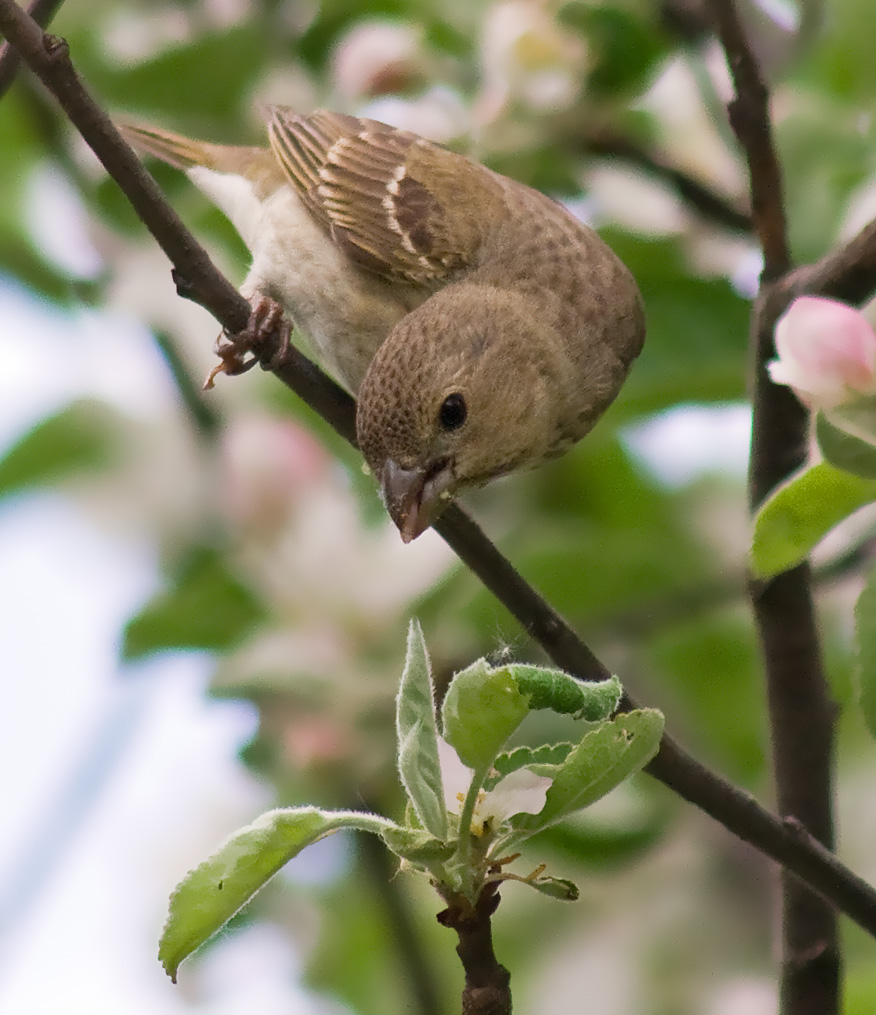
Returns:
<point x="483" y="328"/>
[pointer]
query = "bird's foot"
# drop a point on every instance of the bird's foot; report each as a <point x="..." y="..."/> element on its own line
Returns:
<point x="238" y="353"/>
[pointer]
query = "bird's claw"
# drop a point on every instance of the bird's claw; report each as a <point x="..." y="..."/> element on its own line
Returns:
<point x="265" y="328"/>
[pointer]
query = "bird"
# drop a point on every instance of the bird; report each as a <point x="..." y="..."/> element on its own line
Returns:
<point x="481" y="326"/>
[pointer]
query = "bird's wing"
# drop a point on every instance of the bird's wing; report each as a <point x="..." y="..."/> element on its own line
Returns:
<point x="389" y="198"/>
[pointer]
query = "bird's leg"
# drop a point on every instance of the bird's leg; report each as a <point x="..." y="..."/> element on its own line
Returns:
<point x="265" y="322"/>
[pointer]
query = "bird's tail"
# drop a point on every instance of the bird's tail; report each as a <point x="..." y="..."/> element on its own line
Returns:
<point x="184" y="152"/>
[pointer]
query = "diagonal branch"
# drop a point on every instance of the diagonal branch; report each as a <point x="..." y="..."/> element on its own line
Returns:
<point x="736" y="810"/>
<point x="800" y="709"/>
<point x="847" y="274"/>
<point x="487" y="988"/>
<point x="42" y="12"/>
<point x="710" y="204"/>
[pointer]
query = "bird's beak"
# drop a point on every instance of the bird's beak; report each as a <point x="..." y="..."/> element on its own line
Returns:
<point x="413" y="497"/>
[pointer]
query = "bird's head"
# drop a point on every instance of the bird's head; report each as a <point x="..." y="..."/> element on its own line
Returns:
<point x="465" y="388"/>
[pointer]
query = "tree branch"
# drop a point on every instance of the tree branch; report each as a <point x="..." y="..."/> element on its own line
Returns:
<point x="731" y="807"/>
<point x="42" y="12"/>
<point x="697" y="195"/>
<point x="487" y="988"/>
<point x="847" y="274"/>
<point x="750" y="120"/>
<point x="801" y="712"/>
<point x="707" y="597"/>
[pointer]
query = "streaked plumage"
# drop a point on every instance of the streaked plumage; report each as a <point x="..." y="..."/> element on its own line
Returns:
<point x="420" y="276"/>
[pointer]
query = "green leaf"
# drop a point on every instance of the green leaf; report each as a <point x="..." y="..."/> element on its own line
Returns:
<point x="206" y="608"/>
<point x="186" y="69"/>
<point x="213" y="892"/>
<point x="543" y="760"/>
<point x="83" y="436"/>
<point x="333" y="18"/>
<point x="844" y="449"/>
<point x="593" y="843"/>
<point x="719" y="642"/>
<point x="801" y="512"/>
<point x="417" y="847"/>
<point x="554" y="888"/>
<point x="565" y="694"/>
<point x="623" y="47"/>
<point x="603" y="759"/>
<point x="697" y="329"/>
<point x="819" y="186"/>
<point x="482" y="708"/>
<point x="865" y="628"/>
<point x="418" y="763"/>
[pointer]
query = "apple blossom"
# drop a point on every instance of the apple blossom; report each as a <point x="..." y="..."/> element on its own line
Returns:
<point x="827" y="353"/>
<point x="519" y="792"/>
<point x="377" y="58"/>
<point x="527" y="57"/>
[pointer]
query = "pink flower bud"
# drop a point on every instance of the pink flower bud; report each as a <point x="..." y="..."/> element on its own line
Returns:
<point x="827" y="353"/>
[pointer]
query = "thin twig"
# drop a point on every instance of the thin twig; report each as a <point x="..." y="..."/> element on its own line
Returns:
<point x="750" y="120"/>
<point x="708" y="597"/>
<point x="487" y="988"/>
<point x="697" y="195"/>
<point x="49" y="58"/>
<point x="801" y="712"/>
<point x="730" y="806"/>
<point x="42" y="12"/>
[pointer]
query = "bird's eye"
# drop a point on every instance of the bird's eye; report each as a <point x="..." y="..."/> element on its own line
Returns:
<point x="453" y="411"/>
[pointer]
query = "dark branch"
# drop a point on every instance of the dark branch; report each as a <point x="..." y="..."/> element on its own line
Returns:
<point x="42" y="12"/>
<point x="736" y="810"/>
<point x="48" y="57"/>
<point x="750" y="120"/>
<point x="800" y="710"/>
<point x="487" y="988"/>
<point x="847" y="274"/>
<point x="707" y="202"/>
<point x="731" y="807"/>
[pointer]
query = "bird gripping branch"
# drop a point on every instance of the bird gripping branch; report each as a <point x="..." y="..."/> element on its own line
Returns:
<point x="481" y="326"/>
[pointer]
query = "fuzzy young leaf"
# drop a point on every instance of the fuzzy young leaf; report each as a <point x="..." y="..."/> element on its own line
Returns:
<point x="417" y="847"/>
<point x="543" y="760"/>
<point x="843" y="449"/>
<point x="603" y="759"/>
<point x="481" y="710"/>
<point x="214" y="891"/>
<point x="801" y="512"/>
<point x="555" y="888"/>
<point x="562" y="693"/>
<point x="418" y="737"/>
<point x="865" y="626"/>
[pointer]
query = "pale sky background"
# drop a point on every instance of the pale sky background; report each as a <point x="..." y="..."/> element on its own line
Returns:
<point x="114" y="780"/>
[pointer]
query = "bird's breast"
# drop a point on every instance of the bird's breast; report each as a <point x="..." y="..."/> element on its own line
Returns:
<point x="343" y="310"/>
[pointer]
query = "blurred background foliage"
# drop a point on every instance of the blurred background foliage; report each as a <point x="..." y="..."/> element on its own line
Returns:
<point x="277" y="559"/>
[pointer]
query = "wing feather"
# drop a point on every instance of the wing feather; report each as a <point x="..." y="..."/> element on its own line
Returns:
<point x="363" y="180"/>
